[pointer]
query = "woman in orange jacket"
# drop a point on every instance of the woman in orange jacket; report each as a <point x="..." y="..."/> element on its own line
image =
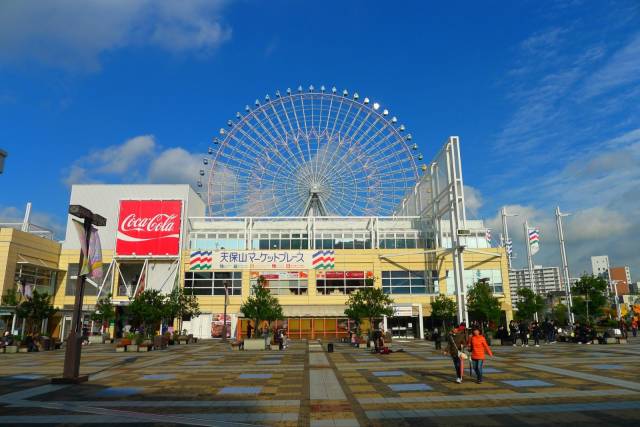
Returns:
<point x="478" y="345"/>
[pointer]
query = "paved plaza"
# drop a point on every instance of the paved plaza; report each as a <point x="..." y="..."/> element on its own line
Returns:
<point x="208" y="384"/>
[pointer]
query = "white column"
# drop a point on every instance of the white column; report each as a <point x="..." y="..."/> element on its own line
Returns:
<point x="384" y="323"/>
<point x="13" y="324"/>
<point x="420" y="322"/>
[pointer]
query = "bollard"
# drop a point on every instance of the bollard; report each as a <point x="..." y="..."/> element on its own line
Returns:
<point x="330" y="347"/>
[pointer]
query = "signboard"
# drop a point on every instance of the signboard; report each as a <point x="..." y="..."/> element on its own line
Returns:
<point x="279" y="275"/>
<point x="207" y="260"/>
<point x="344" y="274"/>
<point x="217" y="324"/>
<point x="149" y="227"/>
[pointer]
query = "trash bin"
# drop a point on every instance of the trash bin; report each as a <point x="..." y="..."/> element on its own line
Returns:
<point x="330" y="347"/>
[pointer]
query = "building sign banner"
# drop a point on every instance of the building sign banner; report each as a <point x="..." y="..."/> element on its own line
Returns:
<point x="264" y="260"/>
<point x="149" y="227"/>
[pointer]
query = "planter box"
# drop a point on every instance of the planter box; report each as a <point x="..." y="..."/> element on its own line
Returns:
<point x="132" y="347"/>
<point x="96" y="339"/>
<point x="121" y="349"/>
<point x="11" y="349"/>
<point x="23" y="350"/>
<point x="143" y="348"/>
<point x="254" y="344"/>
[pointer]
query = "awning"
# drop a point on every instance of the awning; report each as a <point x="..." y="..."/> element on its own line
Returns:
<point x="37" y="262"/>
<point x="314" y="310"/>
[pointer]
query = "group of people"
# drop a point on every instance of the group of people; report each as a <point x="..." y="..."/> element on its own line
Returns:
<point x="525" y="331"/>
<point x="33" y="341"/>
<point x="458" y="341"/>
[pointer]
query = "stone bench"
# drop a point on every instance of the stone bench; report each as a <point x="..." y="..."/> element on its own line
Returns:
<point x="254" y="344"/>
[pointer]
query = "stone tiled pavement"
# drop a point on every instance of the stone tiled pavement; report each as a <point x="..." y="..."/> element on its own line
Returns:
<point x="208" y="384"/>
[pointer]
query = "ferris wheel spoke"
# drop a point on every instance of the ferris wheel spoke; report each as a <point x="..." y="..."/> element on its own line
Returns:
<point x="281" y="152"/>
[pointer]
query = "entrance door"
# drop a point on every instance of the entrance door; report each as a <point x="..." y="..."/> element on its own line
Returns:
<point x="403" y="326"/>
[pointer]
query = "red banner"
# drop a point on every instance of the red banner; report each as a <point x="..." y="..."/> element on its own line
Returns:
<point x="149" y="227"/>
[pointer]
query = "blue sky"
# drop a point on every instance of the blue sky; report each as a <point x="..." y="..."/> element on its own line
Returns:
<point x="544" y="96"/>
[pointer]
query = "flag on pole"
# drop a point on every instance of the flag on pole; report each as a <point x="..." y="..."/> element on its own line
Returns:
<point x="487" y="236"/>
<point x="534" y="240"/>
<point x="509" y="247"/>
<point x="92" y="263"/>
<point x="141" y="282"/>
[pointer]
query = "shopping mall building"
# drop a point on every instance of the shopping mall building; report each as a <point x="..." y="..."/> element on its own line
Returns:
<point x="159" y="237"/>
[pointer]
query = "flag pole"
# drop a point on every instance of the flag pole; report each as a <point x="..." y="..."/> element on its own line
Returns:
<point x="565" y="264"/>
<point x="505" y="232"/>
<point x="530" y="259"/>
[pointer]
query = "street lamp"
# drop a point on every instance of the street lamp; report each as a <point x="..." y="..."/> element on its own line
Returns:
<point x="71" y="373"/>
<point x="224" y="317"/>
<point x="3" y="155"/>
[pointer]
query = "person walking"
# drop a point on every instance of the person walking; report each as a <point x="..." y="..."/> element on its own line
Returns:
<point x="513" y="331"/>
<point x="436" y="338"/>
<point x="478" y="345"/>
<point x="524" y="334"/>
<point x="535" y="331"/>
<point x="634" y="327"/>
<point x="456" y="340"/>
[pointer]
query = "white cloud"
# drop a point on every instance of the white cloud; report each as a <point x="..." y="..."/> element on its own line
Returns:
<point x="472" y="200"/>
<point x="175" y="165"/>
<point x="116" y="160"/>
<point x="622" y="68"/>
<point x="72" y="35"/>
<point x="136" y="160"/>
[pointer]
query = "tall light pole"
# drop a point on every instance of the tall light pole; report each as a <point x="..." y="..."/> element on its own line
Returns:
<point x="530" y="259"/>
<point x="565" y="264"/>
<point x="224" y="319"/>
<point x="614" y="284"/>
<point x="71" y="373"/>
<point x="505" y="232"/>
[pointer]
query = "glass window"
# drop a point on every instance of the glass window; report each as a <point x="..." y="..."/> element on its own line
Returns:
<point x="409" y="282"/>
<point x="213" y="283"/>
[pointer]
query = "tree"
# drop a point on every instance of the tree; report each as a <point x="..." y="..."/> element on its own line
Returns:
<point x="11" y="298"/>
<point x="481" y="303"/>
<point x="368" y="303"/>
<point x="559" y="314"/>
<point x="104" y="312"/>
<point x="444" y="308"/>
<point x="35" y="310"/>
<point x="180" y="305"/>
<point x="589" y="297"/>
<point x="147" y="309"/>
<point x="529" y="304"/>
<point x="261" y="305"/>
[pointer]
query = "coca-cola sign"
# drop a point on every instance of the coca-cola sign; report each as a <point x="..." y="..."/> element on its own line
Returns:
<point x="149" y="227"/>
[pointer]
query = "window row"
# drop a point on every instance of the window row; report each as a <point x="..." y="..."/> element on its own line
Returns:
<point x="493" y="277"/>
<point x="342" y="282"/>
<point x="325" y="240"/>
<point x="213" y="283"/>
<point x="409" y="282"/>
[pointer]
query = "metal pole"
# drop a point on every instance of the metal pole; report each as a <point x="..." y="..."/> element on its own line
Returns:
<point x="224" y="318"/>
<point x="614" y="283"/>
<point x="505" y="232"/>
<point x="74" y="341"/>
<point x="71" y="372"/>
<point x="530" y="260"/>
<point x="565" y="264"/>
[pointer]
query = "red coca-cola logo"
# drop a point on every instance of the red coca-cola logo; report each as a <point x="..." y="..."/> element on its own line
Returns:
<point x="149" y="227"/>
<point x="159" y="222"/>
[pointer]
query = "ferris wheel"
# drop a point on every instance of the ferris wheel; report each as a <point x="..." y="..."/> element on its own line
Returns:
<point x="310" y="153"/>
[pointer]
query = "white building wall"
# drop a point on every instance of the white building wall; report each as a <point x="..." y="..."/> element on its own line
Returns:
<point x="546" y="279"/>
<point x="600" y="265"/>
<point x="104" y="200"/>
